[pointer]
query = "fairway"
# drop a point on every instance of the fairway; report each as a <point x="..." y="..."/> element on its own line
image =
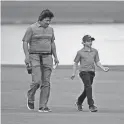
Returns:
<point x="108" y="93"/>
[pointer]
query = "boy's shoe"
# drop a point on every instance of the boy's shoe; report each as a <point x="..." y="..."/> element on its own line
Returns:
<point x="30" y="104"/>
<point x="79" y="106"/>
<point x="46" y="109"/>
<point x="93" y="108"/>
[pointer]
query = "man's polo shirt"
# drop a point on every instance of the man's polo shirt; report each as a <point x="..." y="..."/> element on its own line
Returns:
<point x="87" y="59"/>
<point x="39" y="38"/>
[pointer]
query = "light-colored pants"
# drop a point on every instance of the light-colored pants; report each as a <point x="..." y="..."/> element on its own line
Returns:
<point x="41" y="74"/>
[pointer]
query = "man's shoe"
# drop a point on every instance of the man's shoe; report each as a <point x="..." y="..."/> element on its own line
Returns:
<point x="46" y="109"/>
<point x="93" y="108"/>
<point x="41" y="109"/>
<point x="30" y="105"/>
<point x="79" y="106"/>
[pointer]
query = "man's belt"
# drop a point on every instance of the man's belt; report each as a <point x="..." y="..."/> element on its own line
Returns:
<point x="41" y="53"/>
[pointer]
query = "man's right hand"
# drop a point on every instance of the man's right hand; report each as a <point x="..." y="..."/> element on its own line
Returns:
<point x="27" y="60"/>
<point x="72" y="77"/>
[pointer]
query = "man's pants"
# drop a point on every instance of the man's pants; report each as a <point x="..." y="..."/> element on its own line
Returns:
<point x="87" y="78"/>
<point x="40" y="79"/>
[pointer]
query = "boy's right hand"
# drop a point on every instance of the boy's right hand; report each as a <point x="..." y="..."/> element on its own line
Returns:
<point x="72" y="77"/>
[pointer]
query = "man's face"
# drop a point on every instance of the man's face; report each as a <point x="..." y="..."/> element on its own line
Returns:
<point x="46" y="21"/>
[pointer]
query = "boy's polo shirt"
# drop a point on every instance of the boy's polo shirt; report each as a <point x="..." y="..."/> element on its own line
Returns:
<point x="39" y="38"/>
<point x="87" y="59"/>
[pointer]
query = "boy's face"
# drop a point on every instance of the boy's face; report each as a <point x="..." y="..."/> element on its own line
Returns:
<point x="88" y="43"/>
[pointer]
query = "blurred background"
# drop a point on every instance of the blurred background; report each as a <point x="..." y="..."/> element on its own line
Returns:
<point x="103" y="20"/>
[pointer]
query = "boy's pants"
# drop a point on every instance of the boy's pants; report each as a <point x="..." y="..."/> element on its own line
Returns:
<point x="40" y="79"/>
<point x="87" y="78"/>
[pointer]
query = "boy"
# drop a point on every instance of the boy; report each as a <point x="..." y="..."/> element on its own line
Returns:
<point x="87" y="56"/>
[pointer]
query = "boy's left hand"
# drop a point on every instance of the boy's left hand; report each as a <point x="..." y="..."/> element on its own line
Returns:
<point x="106" y="69"/>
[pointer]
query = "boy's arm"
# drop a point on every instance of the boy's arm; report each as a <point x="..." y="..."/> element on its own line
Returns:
<point x="97" y="61"/>
<point x="75" y="66"/>
<point x="102" y="67"/>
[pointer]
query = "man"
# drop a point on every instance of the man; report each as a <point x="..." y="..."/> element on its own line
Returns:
<point x="87" y="57"/>
<point x="39" y="46"/>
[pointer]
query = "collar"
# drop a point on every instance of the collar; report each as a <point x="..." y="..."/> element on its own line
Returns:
<point x="39" y="25"/>
<point x="87" y="50"/>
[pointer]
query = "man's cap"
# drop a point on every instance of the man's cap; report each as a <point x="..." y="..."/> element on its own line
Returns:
<point x="87" y="38"/>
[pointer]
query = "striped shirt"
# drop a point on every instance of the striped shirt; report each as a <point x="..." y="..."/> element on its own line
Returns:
<point x="39" y="38"/>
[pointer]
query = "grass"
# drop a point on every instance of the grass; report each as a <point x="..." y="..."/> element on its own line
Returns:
<point x="108" y="90"/>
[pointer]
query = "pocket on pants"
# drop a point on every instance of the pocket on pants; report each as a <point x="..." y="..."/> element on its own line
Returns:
<point x="34" y="60"/>
<point x="92" y="73"/>
<point x="48" y="60"/>
<point x="83" y="73"/>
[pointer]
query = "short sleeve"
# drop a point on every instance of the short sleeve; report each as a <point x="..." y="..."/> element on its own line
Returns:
<point x="53" y="36"/>
<point x="28" y="35"/>
<point x="77" y="58"/>
<point x="96" y="57"/>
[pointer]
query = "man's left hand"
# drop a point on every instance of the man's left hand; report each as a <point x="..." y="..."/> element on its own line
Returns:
<point x="56" y="61"/>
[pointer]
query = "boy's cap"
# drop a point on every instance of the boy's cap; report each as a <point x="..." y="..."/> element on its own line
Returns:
<point x="88" y="37"/>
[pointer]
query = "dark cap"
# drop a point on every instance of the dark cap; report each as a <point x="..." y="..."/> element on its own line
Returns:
<point x="87" y="38"/>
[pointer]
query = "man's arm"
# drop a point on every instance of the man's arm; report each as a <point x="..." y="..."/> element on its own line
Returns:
<point x="53" y="47"/>
<point x="25" y="49"/>
<point x="26" y="39"/>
